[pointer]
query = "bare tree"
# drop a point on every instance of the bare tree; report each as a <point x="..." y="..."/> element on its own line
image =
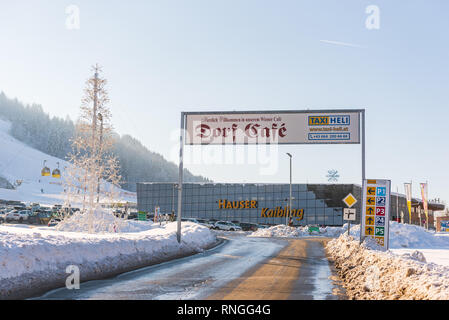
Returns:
<point x="94" y="170"/>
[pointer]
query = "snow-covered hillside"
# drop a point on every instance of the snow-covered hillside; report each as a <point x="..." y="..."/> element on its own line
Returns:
<point x="18" y="161"/>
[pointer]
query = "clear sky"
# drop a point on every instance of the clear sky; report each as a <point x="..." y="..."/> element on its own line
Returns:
<point x="164" y="57"/>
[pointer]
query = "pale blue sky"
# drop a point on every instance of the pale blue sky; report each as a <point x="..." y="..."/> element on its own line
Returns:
<point x="164" y="57"/>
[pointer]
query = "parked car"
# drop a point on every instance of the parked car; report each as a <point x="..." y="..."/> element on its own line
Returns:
<point x="16" y="215"/>
<point x="227" y="226"/>
<point x="190" y="220"/>
<point x="40" y="217"/>
<point x="132" y="215"/>
<point x="205" y="223"/>
<point x="54" y="222"/>
<point x="262" y="226"/>
<point x="2" y="216"/>
<point x="248" y="226"/>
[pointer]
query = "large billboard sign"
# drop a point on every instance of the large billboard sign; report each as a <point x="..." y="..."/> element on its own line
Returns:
<point x="376" y="211"/>
<point x="283" y="127"/>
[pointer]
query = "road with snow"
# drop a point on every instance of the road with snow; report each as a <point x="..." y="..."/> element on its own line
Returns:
<point x="240" y="268"/>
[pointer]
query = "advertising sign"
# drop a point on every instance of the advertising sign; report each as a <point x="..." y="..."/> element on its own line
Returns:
<point x="283" y="127"/>
<point x="444" y="226"/>
<point x="408" y="195"/>
<point x="376" y="210"/>
<point x="142" y="216"/>
<point x="424" y="193"/>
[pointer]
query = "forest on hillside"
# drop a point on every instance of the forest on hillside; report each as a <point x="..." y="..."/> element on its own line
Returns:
<point x="51" y="135"/>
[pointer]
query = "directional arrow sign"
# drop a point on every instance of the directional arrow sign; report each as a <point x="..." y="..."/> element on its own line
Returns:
<point x="376" y="211"/>
<point x="369" y="221"/>
<point x="369" y="231"/>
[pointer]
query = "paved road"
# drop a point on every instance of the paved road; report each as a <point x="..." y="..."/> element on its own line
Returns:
<point x="240" y="268"/>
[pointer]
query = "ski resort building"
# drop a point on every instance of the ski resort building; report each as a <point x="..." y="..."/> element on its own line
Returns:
<point x="266" y="203"/>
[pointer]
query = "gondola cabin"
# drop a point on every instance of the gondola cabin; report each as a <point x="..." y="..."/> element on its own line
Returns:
<point x="45" y="172"/>
<point x="56" y="173"/>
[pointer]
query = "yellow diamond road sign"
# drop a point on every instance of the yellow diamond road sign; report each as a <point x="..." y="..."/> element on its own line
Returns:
<point x="350" y="200"/>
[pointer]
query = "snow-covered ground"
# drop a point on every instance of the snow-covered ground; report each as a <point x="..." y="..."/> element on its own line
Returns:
<point x="378" y="275"/>
<point x="19" y="161"/>
<point x="404" y="238"/>
<point x="294" y="232"/>
<point x="415" y="267"/>
<point x="36" y="257"/>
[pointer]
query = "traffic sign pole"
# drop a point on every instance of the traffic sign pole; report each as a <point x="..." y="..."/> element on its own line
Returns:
<point x="349" y="200"/>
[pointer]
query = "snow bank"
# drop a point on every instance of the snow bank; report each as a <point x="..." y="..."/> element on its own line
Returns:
<point x="103" y="221"/>
<point x="409" y="236"/>
<point x="401" y="235"/>
<point x="294" y="232"/>
<point x="34" y="260"/>
<point x="372" y="274"/>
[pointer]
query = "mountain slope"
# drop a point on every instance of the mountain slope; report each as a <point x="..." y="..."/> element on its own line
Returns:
<point x="21" y="163"/>
<point x="31" y="125"/>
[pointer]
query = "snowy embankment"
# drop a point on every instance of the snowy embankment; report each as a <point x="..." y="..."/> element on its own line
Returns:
<point x="34" y="260"/>
<point x="372" y="274"/>
<point x="294" y="232"/>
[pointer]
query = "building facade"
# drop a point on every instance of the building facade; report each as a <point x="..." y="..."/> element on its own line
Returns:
<point x="269" y="203"/>
<point x="253" y="203"/>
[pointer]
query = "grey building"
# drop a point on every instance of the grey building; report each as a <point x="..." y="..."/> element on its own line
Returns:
<point x="320" y="204"/>
<point x="255" y="203"/>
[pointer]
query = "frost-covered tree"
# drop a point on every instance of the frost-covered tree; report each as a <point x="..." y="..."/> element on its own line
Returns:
<point x="94" y="170"/>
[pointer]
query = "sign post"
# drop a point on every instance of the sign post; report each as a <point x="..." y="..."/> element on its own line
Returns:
<point x="348" y="213"/>
<point x="375" y="220"/>
<point x="345" y="126"/>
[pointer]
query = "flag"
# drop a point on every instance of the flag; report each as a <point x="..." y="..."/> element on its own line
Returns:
<point x="424" y="193"/>
<point x="408" y="194"/>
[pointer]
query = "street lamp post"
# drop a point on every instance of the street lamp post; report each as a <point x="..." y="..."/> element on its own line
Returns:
<point x="287" y="216"/>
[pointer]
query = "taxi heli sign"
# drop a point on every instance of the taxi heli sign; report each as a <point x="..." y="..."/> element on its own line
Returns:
<point x="284" y="127"/>
<point x="376" y="211"/>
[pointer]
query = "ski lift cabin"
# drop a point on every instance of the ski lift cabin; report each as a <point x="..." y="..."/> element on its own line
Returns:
<point x="45" y="171"/>
<point x="56" y="172"/>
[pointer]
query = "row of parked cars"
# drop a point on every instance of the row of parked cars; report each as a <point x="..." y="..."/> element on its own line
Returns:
<point x="226" y="225"/>
<point x="31" y="214"/>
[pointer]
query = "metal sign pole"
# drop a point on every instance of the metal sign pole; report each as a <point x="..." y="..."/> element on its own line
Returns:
<point x="181" y="171"/>
<point x="363" y="165"/>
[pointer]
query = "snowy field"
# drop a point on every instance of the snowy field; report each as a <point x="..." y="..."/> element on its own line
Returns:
<point x="36" y="257"/>
<point x="19" y="161"/>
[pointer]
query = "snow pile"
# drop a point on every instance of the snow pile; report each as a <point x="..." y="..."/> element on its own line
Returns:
<point x="372" y="274"/>
<point x="406" y="236"/>
<point x="278" y="231"/>
<point x="103" y="222"/>
<point x="37" y="258"/>
<point x="411" y="236"/>
<point x="292" y="232"/>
